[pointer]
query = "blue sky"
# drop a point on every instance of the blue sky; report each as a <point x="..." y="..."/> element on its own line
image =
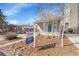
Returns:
<point x="22" y="14"/>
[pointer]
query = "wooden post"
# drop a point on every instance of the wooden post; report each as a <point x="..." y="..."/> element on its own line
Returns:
<point x="63" y="29"/>
<point x="43" y="26"/>
<point x="62" y="38"/>
<point x="34" y="36"/>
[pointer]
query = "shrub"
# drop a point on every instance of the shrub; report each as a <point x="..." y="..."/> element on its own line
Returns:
<point x="70" y="30"/>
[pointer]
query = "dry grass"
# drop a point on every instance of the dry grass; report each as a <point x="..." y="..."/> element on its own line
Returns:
<point x="44" y="47"/>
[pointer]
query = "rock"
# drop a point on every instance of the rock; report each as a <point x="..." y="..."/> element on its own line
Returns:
<point x="10" y="35"/>
<point x="2" y="54"/>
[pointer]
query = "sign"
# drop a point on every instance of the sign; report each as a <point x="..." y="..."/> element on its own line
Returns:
<point x="29" y="35"/>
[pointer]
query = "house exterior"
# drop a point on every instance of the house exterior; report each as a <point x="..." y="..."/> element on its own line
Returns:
<point x="49" y="23"/>
<point x="72" y="16"/>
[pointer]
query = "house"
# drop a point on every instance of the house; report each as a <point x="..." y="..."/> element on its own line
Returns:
<point x="72" y="16"/>
<point x="49" y="23"/>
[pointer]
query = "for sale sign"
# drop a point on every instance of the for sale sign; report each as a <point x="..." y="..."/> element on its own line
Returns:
<point x="29" y="31"/>
<point x="29" y="35"/>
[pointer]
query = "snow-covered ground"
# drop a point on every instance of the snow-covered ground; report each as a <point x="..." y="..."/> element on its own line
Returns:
<point x="6" y="42"/>
<point x="1" y="38"/>
<point x="74" y="38"/>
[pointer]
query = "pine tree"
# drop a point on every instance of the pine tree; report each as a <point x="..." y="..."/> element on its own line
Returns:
<point x="3" y="22"/>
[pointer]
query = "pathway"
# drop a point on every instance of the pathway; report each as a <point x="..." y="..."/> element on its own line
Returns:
<point x="1" y="38"/>
<point x="4" y="42"/>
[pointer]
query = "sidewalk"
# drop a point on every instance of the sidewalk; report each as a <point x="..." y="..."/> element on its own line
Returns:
<point x="1" y="38"/>
<point x="74" y="38"/>
<point x="4" y="42"/>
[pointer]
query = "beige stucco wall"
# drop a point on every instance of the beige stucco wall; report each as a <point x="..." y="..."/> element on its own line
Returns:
<point x="44" y="26"/>
<point x="73" y="15"/>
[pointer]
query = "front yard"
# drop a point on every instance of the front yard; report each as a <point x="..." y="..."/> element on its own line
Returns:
<point x="44" y="47"/>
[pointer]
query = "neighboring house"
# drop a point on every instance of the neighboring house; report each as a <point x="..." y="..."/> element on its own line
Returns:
<point x="21" y="29"/>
